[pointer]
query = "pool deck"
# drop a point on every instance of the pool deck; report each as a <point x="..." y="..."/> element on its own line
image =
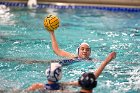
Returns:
<point x="109" y="3"/>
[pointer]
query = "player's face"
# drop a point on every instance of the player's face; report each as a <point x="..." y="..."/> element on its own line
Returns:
<point x="84" y="51"/>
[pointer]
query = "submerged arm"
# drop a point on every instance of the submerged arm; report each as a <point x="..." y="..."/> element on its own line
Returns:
<point x="72" y="83"/>
<point x="35" y="87"/>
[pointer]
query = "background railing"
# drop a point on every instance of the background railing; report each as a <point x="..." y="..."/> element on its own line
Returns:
<point x="103" y="2"/>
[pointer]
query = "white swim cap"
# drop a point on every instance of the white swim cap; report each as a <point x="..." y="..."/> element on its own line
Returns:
<point x="84" y="43"/>
<point x="54" y="72"/>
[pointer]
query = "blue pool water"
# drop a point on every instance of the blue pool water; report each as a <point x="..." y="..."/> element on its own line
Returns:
<point x="23" y="40"/>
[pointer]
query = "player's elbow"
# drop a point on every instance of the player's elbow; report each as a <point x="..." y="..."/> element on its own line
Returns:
<point x="57" y="52"/>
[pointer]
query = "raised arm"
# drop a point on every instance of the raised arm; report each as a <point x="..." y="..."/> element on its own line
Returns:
<point x="97" y="72"/>
<point x="104" y="63"/>
<point x="56" y="48"/>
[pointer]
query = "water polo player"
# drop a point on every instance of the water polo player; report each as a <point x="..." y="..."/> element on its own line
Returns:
<point x="51" y="23"/>
<point x="54" y="74"/>
<point x="83" y="51"/>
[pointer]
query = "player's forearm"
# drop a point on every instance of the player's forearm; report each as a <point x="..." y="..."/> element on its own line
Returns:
<point x="100" y="69"/>
<point x="54" y="43"/>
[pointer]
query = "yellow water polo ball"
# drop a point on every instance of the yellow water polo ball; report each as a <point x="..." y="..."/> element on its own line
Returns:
<point x="51" y="22"/>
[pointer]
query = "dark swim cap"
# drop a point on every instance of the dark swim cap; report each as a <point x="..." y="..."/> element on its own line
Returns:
<point x="87" y="81"/>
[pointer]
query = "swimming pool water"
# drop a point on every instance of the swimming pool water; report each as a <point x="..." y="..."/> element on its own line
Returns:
<point x="23" y="39"/>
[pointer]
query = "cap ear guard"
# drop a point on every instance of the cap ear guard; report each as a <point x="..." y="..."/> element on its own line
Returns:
<point x="77" y="51"/>
<point x="87" y="81"/>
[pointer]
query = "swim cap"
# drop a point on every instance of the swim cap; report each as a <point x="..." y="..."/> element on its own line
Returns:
<point x="87" y="81"/>
<point x="84" y="43"/>
<point x="54" y="73"/>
